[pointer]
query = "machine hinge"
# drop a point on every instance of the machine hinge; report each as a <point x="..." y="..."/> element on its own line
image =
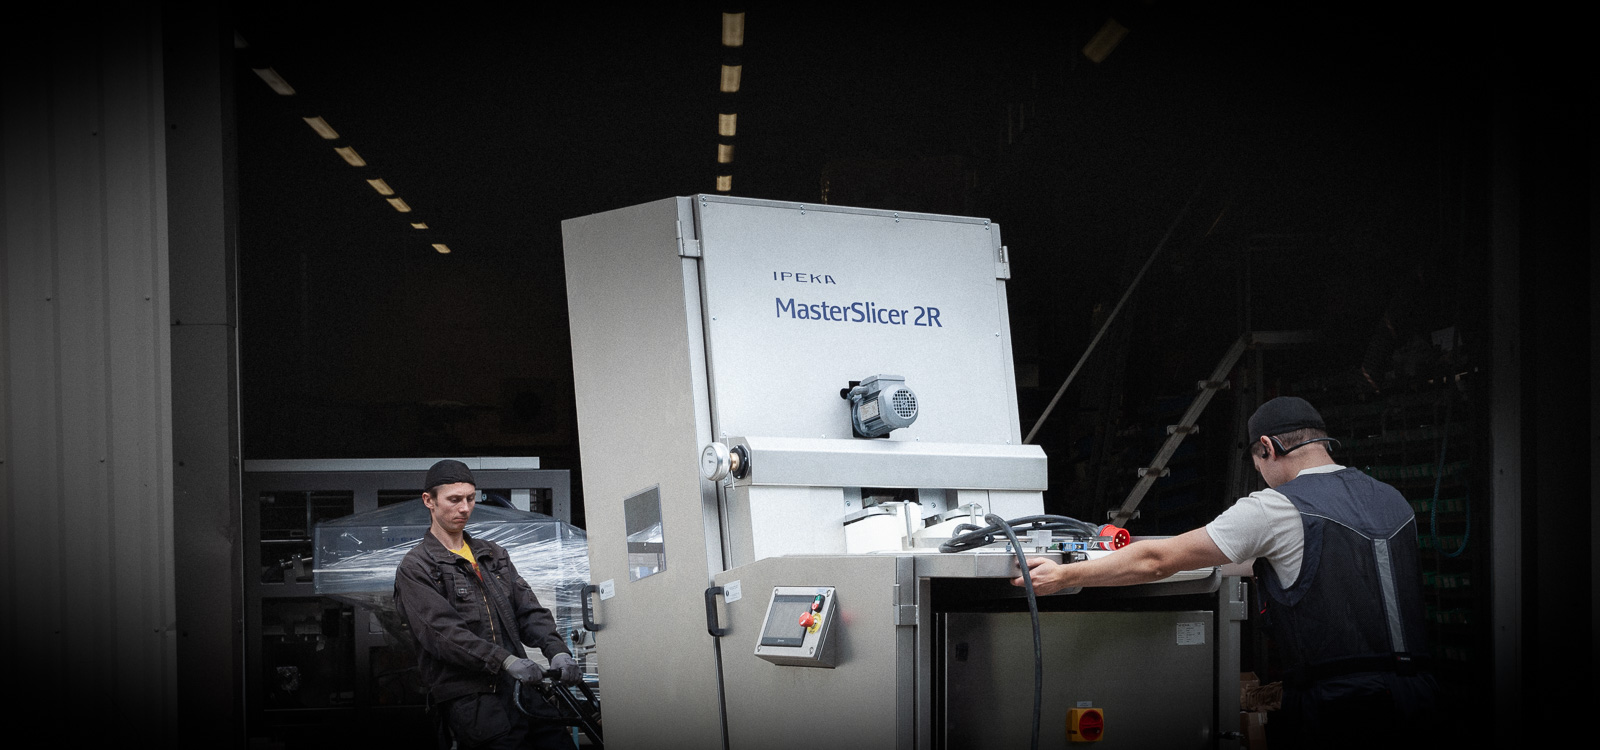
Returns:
<point x="904" y="614"/>
<point x="1002" y="263"/>
<point x="688" y="247"/>
<point x="1237" y="601"/>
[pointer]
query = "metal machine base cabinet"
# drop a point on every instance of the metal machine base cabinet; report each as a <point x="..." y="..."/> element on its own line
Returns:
<point x="935" y="651"/>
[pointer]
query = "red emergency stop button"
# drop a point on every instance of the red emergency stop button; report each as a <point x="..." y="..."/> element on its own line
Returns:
<point x="1085" y="724"/>
<point x="807" y="619"/>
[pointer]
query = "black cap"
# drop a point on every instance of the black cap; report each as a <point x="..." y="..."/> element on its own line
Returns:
<point x="448" y="471"/>
<point x="1283" y="414"/>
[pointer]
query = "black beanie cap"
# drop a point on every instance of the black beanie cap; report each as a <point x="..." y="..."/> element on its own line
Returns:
<point x="448" y="471"/>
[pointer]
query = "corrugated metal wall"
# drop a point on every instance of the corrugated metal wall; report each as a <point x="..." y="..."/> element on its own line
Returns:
<point x="87" y="586"/>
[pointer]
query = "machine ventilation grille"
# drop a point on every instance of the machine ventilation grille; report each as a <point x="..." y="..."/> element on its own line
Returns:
<point x="905" y="403"/>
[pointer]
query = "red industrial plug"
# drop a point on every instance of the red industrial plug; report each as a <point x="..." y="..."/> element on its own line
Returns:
<point x="1118" y="537"/>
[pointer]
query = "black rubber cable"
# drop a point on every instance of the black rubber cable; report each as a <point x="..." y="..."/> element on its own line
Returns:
<point x="980" y="537"/>
<point x="975" y="537"/>
<point x="1033" y="612"/>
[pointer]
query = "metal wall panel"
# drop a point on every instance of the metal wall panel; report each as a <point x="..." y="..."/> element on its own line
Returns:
<point x="205" y="458"/>
<point x="1506" y="420"/>
<point x="32" y="391"/>
<point x="85" y="483"/>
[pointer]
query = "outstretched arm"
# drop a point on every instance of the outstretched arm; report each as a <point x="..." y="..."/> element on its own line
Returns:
<point x="1140" y="562"/>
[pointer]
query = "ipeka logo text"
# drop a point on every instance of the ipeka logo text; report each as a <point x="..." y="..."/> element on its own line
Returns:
<point x="800" y="277"/>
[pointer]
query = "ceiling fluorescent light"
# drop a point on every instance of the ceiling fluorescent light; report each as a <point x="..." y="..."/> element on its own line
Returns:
<point x="724" y="153"/>
<point x="275" y="81"/>
<point x="419" y="225"/>
<point x="1104" y="40"/>
<point x="381" y="186"/>
<point x="724" y="183"/>
<point x="351" y="157"/>
<point x="730" y="78"/>
<point x="444" y="250"/>
<point x="400" y="205"/>
<point x="727" y="124"/>
<point x="733" y="29"/>
<point x="322" y="127"/>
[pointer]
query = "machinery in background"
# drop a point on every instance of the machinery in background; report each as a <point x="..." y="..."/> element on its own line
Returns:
<point x="785" y="412"/>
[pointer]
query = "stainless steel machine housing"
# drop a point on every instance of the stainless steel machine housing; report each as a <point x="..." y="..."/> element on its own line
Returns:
<point x="711" y="320"/>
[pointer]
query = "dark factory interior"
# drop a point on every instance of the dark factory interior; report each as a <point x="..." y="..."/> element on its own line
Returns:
<point x="1386" y="212"/>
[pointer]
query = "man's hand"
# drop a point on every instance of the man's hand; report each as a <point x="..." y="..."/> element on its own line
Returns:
<point x="570" y="674"/>
<point x="523" y="670"/>
<point x="1048" y="576"/>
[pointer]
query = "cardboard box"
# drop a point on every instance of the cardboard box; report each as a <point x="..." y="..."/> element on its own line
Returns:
<point x="1253" y="730"/>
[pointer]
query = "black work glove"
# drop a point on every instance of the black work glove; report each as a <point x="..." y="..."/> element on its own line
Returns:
<point x="570" y="673"/>
<point x="522" y="670"/>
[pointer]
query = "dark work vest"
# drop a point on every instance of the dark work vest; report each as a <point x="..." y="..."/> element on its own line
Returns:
<point x="1357" y="605"/>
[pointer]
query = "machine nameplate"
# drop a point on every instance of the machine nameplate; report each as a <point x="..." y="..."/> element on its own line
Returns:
<point x="918" y="316"/>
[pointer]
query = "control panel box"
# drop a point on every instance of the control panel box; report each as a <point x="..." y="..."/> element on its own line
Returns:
<point x="796" y="630"/>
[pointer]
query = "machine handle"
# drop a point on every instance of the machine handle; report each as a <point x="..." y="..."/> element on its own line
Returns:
<point x="711" y="613"/>
<point x="588" y="611"/>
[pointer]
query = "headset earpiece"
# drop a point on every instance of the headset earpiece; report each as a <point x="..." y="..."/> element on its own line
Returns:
<point x="1278" y="449"/>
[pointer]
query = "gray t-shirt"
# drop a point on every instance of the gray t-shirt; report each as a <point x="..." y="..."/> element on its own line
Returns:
<point x="1265" y="524"/>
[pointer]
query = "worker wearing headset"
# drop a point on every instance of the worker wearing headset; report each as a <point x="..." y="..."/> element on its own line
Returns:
<point x="1337" y="564"/>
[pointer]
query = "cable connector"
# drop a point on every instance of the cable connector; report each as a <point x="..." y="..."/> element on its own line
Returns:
<point x="1114" y="537"/>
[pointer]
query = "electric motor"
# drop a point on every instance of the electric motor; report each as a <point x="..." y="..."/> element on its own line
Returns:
<point x="880" y="404"/>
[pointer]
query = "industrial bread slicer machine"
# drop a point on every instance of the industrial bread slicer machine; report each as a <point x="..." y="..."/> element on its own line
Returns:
<point x="784" y="411"/>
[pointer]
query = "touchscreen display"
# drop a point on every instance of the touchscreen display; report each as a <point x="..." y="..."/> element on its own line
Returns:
<point x="783" y="622"/>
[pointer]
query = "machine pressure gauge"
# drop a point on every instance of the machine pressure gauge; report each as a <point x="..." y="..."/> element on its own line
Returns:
<point x="717" y="461"/>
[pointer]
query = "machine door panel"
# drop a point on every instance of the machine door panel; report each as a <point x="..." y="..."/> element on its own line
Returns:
<point x="1149" y="673"/>
<point x="860" y="696"/>
<point x="801" y="300"/>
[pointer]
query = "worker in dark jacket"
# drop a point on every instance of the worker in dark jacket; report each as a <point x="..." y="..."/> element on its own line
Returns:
<point x="470" y="613"/>
<point x="1336" y="555"/>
